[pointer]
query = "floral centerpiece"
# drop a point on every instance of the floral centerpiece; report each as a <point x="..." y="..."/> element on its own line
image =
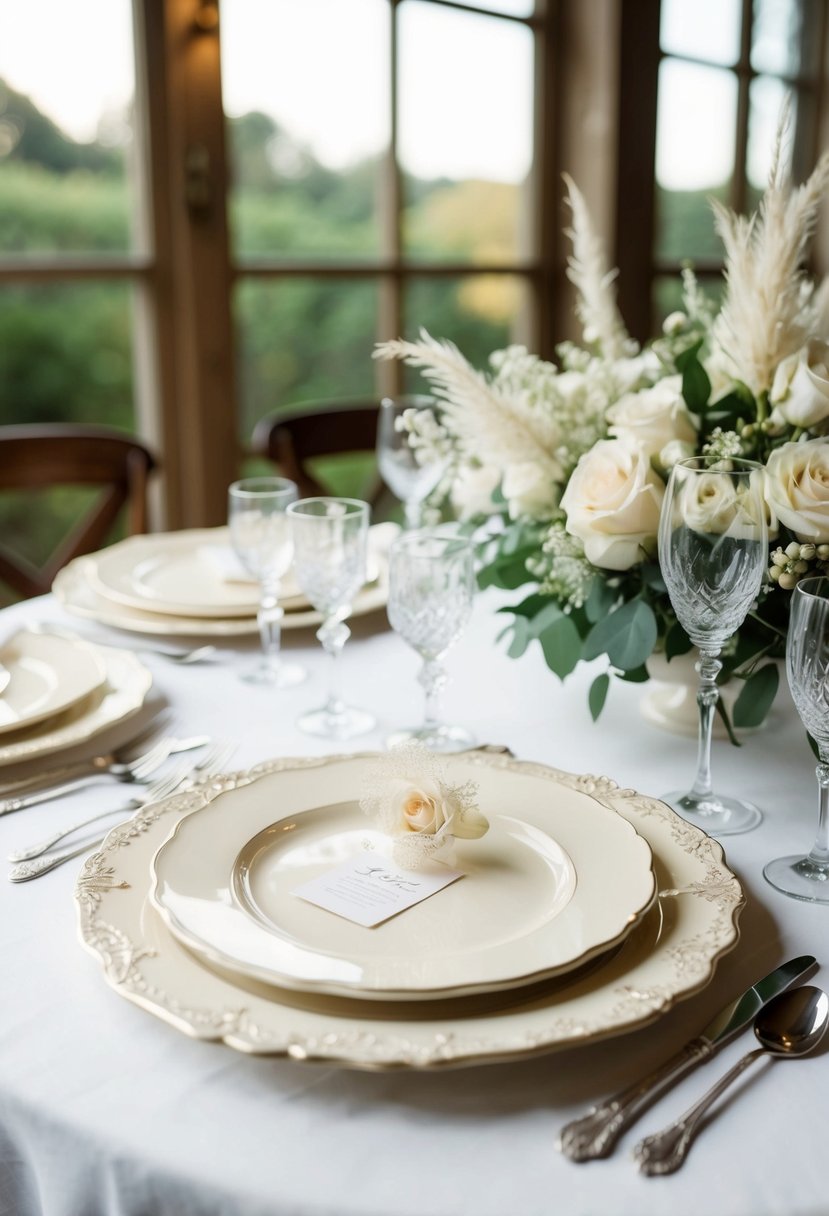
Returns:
<point x="562" y="467"/>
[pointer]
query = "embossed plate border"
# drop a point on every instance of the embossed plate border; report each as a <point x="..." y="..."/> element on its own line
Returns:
<point x="699" y="897"/>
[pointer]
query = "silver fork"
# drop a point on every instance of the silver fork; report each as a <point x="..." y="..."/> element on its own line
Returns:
<point x="197" y="655"/>
<point x="213" y="760"/>
<point x="136" y="770"/>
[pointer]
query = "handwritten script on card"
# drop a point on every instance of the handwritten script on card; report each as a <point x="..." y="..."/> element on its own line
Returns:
<point x="368" y="891"/>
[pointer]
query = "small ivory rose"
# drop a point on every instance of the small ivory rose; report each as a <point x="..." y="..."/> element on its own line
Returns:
<point x="430" y="809"/>
<point x="797" y="488"/>
<point x="529" y="489"/>
<point x="720" y="506"/>
<point x="612" y="503"/>
<point x="800" y="391"/>
<point x="673" y="452"/>
<point x="472" y="491"/>
<point x="653" y="416"/>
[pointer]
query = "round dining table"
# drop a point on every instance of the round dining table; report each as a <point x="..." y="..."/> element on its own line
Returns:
<point x="106" y="1110"/>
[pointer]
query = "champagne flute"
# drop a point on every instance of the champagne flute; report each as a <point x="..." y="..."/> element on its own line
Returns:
<point x="431" y="583"/>
<point x="330" y="538"/>
<point x="807" y="667"/>
<point x="411" y="473"/>
<point x="261" y="537"/>
<point x="713" y="551"/>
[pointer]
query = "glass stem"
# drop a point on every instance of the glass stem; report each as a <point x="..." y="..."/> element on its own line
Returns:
<point x="414" y="513"/>
<point x="819" y="852"/>
<point x="269" y="620"/>
<point x="708" y="668"/>
<point x="333" y="634"/>
<point x="433" y="680"/>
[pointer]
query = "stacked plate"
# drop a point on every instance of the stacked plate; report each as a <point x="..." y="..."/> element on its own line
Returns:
<point x="585" y="911"/>
<point x="189" y="583"/>
<point x="61" y="691"/>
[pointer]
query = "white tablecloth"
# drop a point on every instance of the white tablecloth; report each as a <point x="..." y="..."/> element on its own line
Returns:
<point x="106" y="1111"/>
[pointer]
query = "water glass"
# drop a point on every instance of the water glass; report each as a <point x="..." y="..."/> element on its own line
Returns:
<point x="431" y="585"/>
<point x="261" y="538"/>
<point x="410" y="472"/>
<point x="713" y="551"/>
<point x="807" y="667"/>
<point x="330" y="537"/>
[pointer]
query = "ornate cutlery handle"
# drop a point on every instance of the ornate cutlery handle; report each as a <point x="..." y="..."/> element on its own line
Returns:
<point x="596" y="1133"/>
<point x="54" y="791"/>
<point x="42" y="865"/>
<point x="665" y="1151"/>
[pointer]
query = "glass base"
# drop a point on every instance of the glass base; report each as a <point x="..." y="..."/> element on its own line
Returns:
<point x="715" y="815"/>
<point x="799" y="877"/>
<point x="343" y="725"/>
<point x="440" y="738"/>
<point x="276" y="675"/>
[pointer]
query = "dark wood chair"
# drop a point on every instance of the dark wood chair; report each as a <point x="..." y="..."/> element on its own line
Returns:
<point x="305" y="432"/>
<point x="40" y="457"/>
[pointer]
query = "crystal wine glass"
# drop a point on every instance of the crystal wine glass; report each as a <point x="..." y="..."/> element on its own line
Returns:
<point x="410" y="472"/>
<point x="807" y="666"/>
<point x="330" y="542"/>
<point x="713" y="550"/>
<point x="431" y="582"/>
<point x="261" y="537"/>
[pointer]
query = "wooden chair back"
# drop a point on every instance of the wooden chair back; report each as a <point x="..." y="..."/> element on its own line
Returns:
<point x="38" y="457"/>
<point x="317" y="428"/>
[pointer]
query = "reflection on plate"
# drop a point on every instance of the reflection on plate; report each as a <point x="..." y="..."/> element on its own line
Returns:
<point x="49" y="673"/>
<point x="555" y="881"/>
<point x="697" y="912"/>
<point x="122" y="693"/>
<point x="74" y="588"/>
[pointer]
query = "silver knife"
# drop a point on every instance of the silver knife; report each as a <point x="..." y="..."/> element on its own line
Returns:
<point x="595" y="1134"/>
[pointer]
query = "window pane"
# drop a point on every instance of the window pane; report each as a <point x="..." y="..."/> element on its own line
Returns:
<point x="67" y="83"/>
<point x="785" y="36"/>
<point x="667" y="295"/>
<point x="696" y="123"/>
<point x="66" y="354"/>
<point x="303" y="340"/>
<point x="704" y="29"/>
<point x="307" y="123"/>
<point x="465" y="142"/>
<point x="479" y="313"/>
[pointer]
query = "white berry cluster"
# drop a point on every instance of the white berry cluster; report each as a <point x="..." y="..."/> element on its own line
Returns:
<point x="790" y="565"/>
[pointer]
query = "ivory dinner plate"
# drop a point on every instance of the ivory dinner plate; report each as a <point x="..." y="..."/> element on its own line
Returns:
<point x="77" y="588"/>
<point x="49" y="673"/>
<point x="122" y="692"/>
<point x="557" y="879"/>
<point x="669" y="956"/>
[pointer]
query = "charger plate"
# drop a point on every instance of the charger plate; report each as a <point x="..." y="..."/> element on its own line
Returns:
<point x="122" y="692"/>
<point x="557" y="879"/>
<point x="668" y="957"/>
<point x="49" y="673"/>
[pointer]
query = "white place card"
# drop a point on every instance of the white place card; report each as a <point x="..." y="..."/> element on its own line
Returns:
<point x="369" y="890"/>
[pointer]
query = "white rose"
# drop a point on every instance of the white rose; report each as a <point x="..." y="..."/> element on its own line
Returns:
<point x="654" y="416"/>
<point x="673" y="452"/>
<point x="722" y="506"/>
<point x="800" y="390"/>
<point x="612" y="503"/>
<point x="797" y="488"/>
<point x="472" y="491"/>
<point x="529" y="489"/>
<point x="428" y="809"/>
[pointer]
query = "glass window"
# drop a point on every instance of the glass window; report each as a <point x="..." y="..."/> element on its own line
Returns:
<point x="785" y="38"/>
<point x="67" y="85"/>
<point x="308" y="124"/>
<point x="702" y="29"/>
<point x="465" y="134"/>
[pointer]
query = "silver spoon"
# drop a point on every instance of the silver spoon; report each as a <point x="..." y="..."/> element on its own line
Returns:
<point x="791" y="1024"/>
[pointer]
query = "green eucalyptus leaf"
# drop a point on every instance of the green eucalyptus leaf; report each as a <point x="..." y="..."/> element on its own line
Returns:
<point x="627" y="636"/>
<point x="561" y="645"/>
<point x="600" y="599"/>
<point x="598" y="694"/>
<point x="636" y="675"/>
<point x="677" y="641"/>
<point x="696" y="387"/>
<point x="723" y="712"/>
<point x="756" y="696"/>
<point x="521" y="638"/>
<point x="529" y="607"/>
